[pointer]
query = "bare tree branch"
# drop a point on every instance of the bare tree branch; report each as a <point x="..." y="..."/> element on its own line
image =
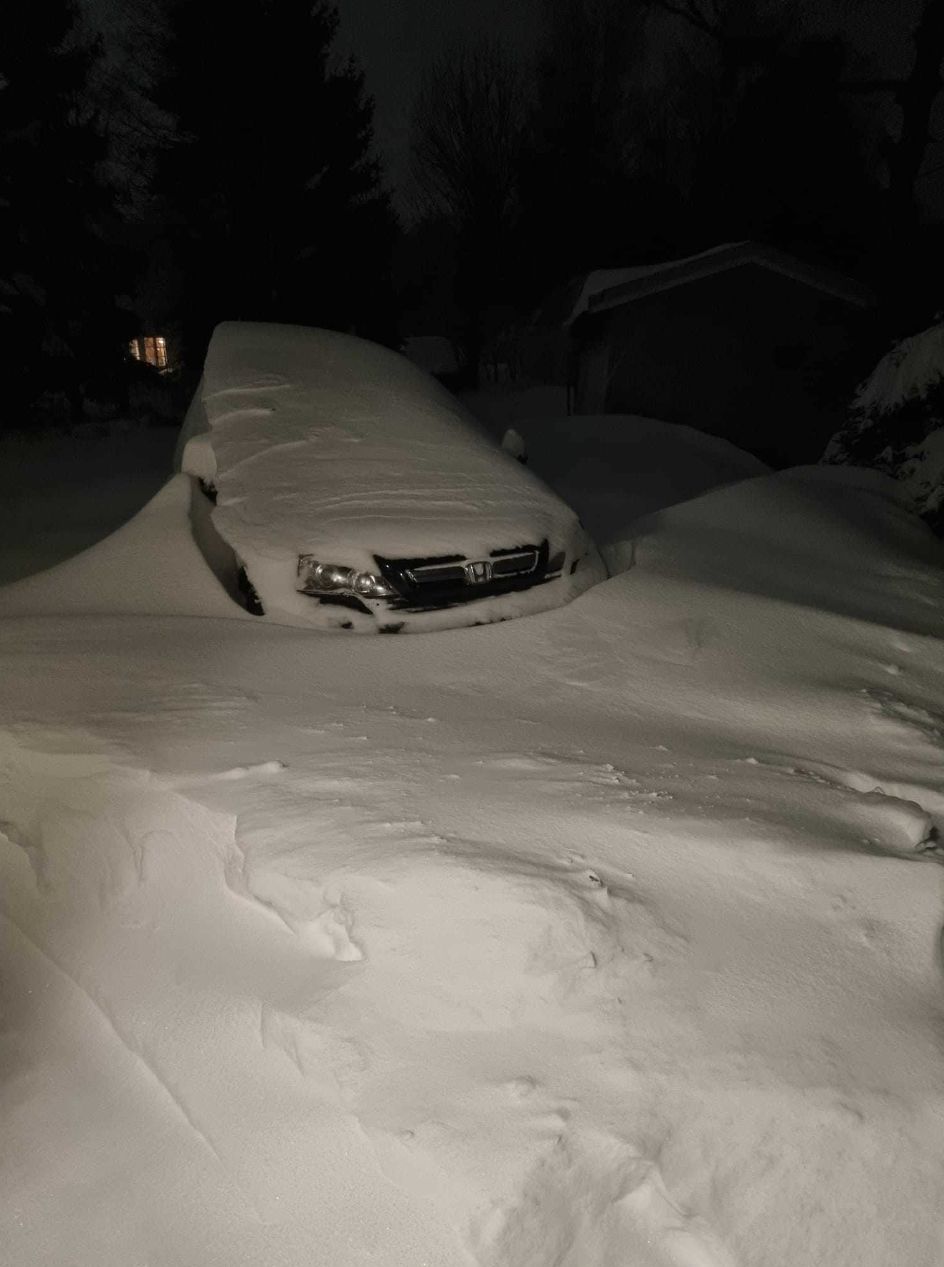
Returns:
<point x="467" y="133"/>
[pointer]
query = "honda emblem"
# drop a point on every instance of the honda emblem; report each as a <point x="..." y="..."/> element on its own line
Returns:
<point x="477" y="573"/>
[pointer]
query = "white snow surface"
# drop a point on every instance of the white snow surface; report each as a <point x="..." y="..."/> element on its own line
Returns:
<point x="61" y="493"/>
<point x="609" y="937"/>
<point x="328" y="445"/>
<point x="614" y="468"/>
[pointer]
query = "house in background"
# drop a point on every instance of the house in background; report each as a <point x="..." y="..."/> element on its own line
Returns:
<point x="742" y="341"/>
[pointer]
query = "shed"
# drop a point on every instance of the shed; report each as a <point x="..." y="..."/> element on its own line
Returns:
<point x="743" y="341"/>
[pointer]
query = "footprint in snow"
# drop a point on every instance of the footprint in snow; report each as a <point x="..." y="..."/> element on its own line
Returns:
<point x="673" y="1238"/>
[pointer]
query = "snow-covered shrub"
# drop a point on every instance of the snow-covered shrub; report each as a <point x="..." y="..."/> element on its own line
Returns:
<point x="896" y="422"/>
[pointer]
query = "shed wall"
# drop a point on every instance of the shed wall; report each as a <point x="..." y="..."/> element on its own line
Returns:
<point x="740" y="355"/>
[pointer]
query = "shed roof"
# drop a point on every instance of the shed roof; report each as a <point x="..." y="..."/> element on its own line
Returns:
<point x="613" y="287"/>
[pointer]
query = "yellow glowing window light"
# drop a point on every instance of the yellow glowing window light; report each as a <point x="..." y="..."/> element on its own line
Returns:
<point x="151" y="349"/>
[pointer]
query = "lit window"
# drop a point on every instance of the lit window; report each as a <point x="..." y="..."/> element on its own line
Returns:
<point x="151" y="349"/>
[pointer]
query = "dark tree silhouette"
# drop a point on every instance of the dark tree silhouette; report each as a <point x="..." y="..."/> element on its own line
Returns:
<point x="789" y="167"/>
<point x="467" y="138"/>
<point x="272" y="196"/>
<point x="580" y="190"/>
<point x="63" y="334"/>
<point x="759" y="109"/>
<point x="916" y="97"/>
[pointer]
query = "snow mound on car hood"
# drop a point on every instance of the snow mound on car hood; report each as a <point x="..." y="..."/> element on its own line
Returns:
<point x="329" y="445"/>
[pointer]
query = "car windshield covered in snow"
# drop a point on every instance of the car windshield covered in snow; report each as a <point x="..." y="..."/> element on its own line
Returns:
<point x="337" y="485"/>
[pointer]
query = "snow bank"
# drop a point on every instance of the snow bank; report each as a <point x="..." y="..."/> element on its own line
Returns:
<point x="150" y="566"/>
<point x="609" y="936"/>
<point x="615" y="468"/>
<point x="829" y="538"/>
<point x="63" y="492"/>
<point x="611" y="468"/>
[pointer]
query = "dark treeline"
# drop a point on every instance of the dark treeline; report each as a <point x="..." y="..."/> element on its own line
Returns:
<point x="225" y="170"/>
<point x="233" y="179"/>
<point x="653" y="129"/>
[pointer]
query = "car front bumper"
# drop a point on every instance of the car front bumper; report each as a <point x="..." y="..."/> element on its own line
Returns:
<point x="440" y="592"/>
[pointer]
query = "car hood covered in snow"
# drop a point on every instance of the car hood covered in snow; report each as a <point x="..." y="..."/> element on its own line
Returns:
<point x="327" y="444"/>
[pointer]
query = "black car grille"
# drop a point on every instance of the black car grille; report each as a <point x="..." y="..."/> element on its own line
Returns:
<point x="515" y="564"/>
<point x="447" y="580"/>
<point x="476" y="572"/>
<point x="436" y="574"/>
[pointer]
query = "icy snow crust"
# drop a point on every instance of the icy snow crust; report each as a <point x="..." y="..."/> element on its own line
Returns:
<point x="607" y="938"/>
<point x="325" y="444"/>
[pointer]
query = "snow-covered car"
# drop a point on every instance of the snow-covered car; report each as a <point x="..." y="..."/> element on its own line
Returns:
<point x="337" y="485"/>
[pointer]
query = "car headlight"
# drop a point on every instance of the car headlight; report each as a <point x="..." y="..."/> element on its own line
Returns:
<point x="332" y="578"/>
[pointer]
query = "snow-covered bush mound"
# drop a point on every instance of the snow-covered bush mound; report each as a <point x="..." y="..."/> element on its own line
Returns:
<point x="896" y="424"/>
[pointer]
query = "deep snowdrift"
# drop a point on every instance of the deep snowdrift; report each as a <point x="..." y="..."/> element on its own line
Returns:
<point x="602" y="937"/>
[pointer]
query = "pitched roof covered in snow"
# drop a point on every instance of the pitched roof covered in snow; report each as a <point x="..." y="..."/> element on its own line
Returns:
<point x="613" y="287"/>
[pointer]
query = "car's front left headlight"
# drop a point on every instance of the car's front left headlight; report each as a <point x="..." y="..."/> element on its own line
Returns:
<point x="318" y="578"/>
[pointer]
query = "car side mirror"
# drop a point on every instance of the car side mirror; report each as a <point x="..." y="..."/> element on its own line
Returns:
<point x="513" y="443"/>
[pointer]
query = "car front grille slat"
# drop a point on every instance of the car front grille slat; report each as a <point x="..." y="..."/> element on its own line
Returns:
<point x="431" y="582"/>
<point x="519" y="563"/>
<point x="437" y="574"/>
<point x="515" y="564"/>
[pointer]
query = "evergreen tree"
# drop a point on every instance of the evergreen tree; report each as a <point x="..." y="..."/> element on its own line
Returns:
<point x="272" y="196"/>
<point x="63" y="334"/>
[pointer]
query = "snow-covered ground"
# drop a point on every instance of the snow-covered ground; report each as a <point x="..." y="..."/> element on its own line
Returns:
<point x="606" y="937"/>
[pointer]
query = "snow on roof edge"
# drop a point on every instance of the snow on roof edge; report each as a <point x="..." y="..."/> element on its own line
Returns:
<point x="648" y="279"/>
